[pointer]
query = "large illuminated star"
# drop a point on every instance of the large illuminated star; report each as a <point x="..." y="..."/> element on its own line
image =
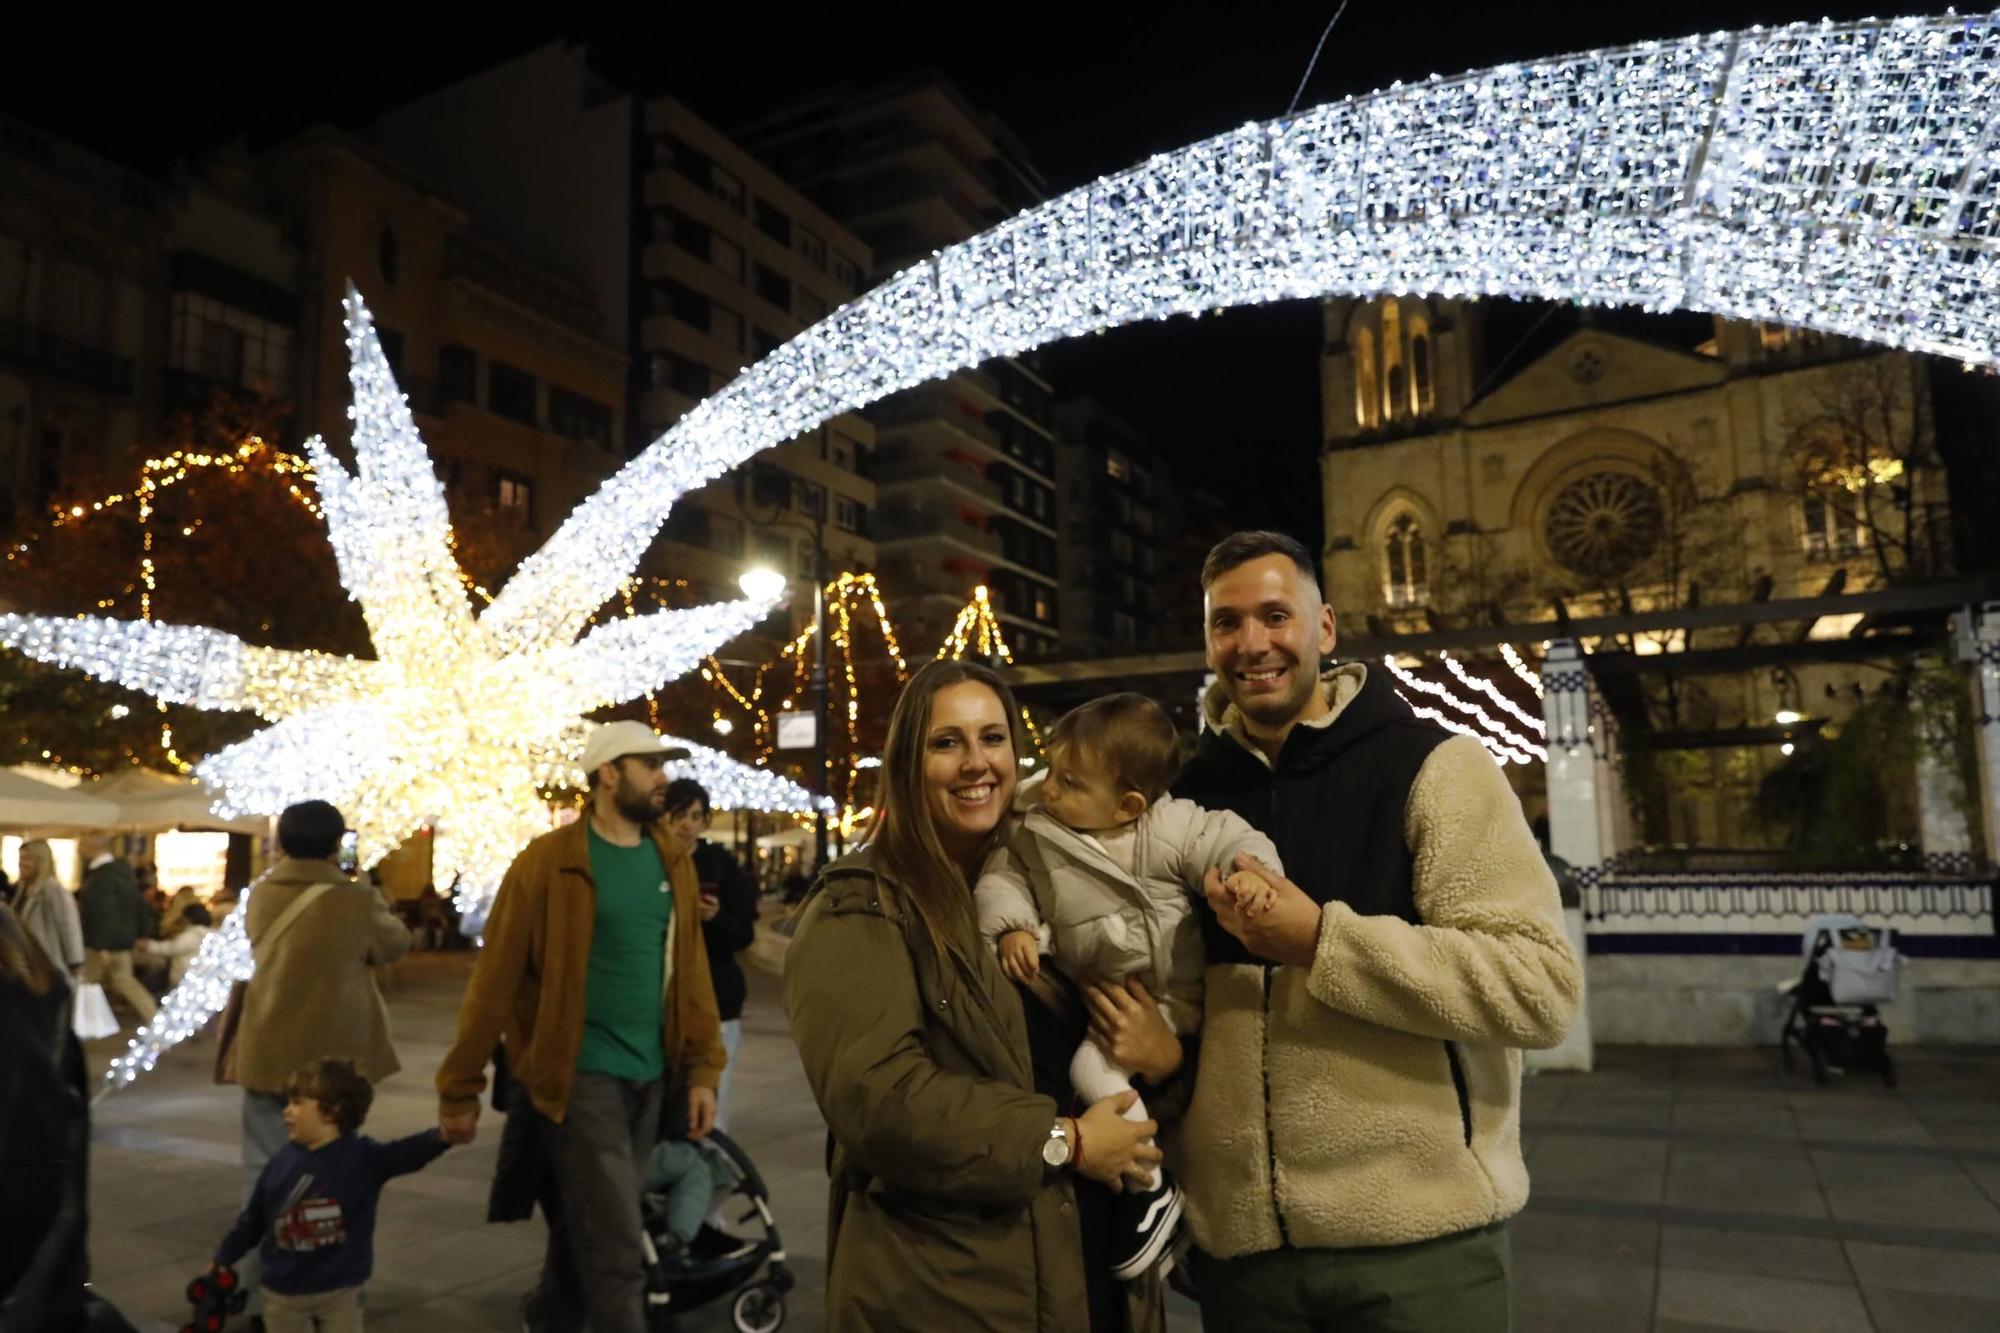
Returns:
<point x="451" y="725"/>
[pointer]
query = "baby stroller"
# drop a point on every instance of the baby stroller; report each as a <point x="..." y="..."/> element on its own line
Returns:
<point x="1850" y="968"/>
<point x="717" y="1263"/>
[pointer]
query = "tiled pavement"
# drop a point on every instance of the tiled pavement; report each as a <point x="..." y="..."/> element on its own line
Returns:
<point x="1674" y="1189"/>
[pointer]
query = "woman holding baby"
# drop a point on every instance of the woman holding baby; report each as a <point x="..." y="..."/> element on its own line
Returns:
<point x="966" y="1189"/>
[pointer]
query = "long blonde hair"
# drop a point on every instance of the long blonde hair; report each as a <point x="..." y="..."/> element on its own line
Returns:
<point x="44" y="861"/>
<point x="903" y="834"/>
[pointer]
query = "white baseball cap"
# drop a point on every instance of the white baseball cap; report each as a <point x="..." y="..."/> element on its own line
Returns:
<point x="617" y="740"/>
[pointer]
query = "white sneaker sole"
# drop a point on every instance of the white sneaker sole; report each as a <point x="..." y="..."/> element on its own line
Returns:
<point x="1165" y="1216"/>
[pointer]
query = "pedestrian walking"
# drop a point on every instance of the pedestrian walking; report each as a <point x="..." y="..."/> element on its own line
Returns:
<point x="114" y="915"/>
<point x="595" y="973"/>
<point x="954" y="1192"/>
<point x="47" y="910"/>
<point x="728" y="918"/>
<point x="311" y="1217"/>
<point x="314" y="936"/>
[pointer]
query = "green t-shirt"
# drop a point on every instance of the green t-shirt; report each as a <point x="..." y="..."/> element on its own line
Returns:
<point x="627" y="976"/>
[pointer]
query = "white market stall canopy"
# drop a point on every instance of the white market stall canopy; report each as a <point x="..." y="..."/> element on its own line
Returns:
<point x="147" y="801"/>
<point x="29" y="804"/>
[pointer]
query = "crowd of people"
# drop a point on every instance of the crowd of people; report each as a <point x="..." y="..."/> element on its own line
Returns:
<point x="1254" y="1020"/>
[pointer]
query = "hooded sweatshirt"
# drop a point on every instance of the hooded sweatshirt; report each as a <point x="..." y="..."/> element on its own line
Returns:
<point x="1372" y="1098"/>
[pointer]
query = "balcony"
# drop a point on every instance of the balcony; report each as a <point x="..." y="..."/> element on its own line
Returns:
<point x="94" y="367"/>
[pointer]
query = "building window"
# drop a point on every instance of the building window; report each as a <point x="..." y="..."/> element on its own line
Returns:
<point x="1395" y="380"/>
<point x="1833" y="527"/>
<point x="813" y="248"/>
<point x="775" y="288"/>
<point x="1367" y="405"/>
<point x="811" y="309"/>
<point x="765" y="342"/>
<point x="726" y="256"/>
<point x="1423" y="386"/>
<point x="774" y="222"/>
<point x="846" y="272"/>
<point x="515" y="496"/>
<point x="1115" y="465"/>
<point x="221" y="343"/>
<point x="683" y="375"/>
<point x="727" y="188"/>
<point x="725" y="326"/>
<point x="690" y="235"/>
<point x="510" y="392"/>
<point x="1406" y="571"/>
<point x="579" y="418"/>
<point x="684" y="303"/>
<point x="458" y="373"/>
<point x="846" y="513"/>
<point x="808" y="497"/>
<point x="842" y="450"/>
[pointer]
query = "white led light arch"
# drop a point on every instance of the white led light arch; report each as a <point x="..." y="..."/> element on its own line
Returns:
<point x="1838" y="177"/>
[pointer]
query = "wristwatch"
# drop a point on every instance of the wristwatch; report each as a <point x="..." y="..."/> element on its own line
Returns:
<point x="1056" y="1148"/>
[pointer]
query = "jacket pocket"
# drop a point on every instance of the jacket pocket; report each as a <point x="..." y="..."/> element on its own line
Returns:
<point x="1458" y="1087"/>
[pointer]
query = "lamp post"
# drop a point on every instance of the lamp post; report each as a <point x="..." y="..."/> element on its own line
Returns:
<point x="759" y="582"/>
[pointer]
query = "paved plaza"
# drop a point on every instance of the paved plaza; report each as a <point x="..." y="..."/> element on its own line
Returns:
<point x="1673" y="1189"/>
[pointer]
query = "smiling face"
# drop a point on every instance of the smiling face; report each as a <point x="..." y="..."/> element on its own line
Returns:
<point x="968" y="766"/>
<point x="1267" y="631"/>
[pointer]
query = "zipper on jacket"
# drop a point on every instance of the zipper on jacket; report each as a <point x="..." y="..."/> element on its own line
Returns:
<point x="1270" y="1142"/>
<point x="1458" y="1086"/>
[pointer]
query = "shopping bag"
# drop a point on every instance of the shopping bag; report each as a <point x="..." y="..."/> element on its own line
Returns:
<point x="93" y="1017"/>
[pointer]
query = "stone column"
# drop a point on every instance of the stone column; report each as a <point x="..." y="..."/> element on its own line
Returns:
<point x="1943" y="830"/>
<point x="1577" y="818"/>
<point x="1984" y="650"/>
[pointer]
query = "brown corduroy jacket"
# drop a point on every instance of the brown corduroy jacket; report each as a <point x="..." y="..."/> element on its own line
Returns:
<point x="528" y="984"/>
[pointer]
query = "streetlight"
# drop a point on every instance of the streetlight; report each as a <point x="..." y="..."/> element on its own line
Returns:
<point x="768" y="584"/>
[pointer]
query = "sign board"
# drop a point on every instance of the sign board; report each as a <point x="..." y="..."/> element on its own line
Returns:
<point x="797" y="731"/>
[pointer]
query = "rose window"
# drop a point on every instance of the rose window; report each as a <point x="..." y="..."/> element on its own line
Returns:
<point x="1604" y="524"/>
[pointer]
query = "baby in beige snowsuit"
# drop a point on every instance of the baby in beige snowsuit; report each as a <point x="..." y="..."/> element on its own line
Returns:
<point x="1102" y="869"/>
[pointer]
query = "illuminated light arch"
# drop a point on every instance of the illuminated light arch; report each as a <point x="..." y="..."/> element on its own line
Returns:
<point x="1836" y="177"/>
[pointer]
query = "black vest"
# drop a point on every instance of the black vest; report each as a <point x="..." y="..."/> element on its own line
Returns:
<point x="1333" y="805"/>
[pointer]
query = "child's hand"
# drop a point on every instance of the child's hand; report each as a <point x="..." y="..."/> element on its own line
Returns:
<point x="1020" y="955"/>
<point x="1251" y="894"/>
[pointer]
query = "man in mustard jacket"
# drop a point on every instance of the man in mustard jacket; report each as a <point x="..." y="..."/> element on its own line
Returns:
<point x="1352" y="1150"/>
<point x="594" y="974"/>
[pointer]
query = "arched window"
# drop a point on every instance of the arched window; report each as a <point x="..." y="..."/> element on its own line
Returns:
<point x="1367" y="387"/>
<point x="1423" y="380"/>
<point x="1406" y="572"/>
<point x="1395" y="402"/>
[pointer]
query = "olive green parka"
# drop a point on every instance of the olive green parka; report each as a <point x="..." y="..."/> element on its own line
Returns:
<point x="941" y="1212"/>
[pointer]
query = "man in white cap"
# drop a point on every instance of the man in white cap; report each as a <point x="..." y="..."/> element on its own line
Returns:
<point x="595" y="974"/>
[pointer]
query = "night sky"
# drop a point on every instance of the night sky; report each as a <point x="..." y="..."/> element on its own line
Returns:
<point x="1089" y="89"/>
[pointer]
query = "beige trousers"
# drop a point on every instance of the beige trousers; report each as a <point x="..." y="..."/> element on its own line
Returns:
<point x="113" y="970"/>
<point x="327" y="1311"/>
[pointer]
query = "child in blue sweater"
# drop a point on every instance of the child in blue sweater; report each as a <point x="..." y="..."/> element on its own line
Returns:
<point x="312" y="1215"/>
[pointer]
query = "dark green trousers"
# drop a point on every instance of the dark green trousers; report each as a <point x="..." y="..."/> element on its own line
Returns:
<point x="1454" y="1284"/>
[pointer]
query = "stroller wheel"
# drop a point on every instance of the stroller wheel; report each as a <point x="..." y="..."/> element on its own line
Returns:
<point x="1888" y="1071"/>
<point x="759" y="1308"/>
<point x="1785" y="1052"/>
<point x="1818" y="1065"/>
